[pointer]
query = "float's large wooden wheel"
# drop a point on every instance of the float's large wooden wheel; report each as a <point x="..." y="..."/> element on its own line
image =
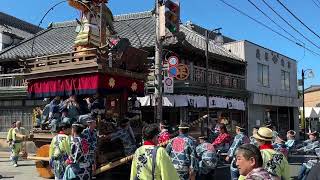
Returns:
<point x="43" y="167"/>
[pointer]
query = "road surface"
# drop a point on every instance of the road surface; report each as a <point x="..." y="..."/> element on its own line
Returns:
<point x="27" y="171"/>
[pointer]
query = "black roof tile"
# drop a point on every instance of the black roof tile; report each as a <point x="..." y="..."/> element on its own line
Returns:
<point x="18" y="27"/>
<point x="139" y="28"/>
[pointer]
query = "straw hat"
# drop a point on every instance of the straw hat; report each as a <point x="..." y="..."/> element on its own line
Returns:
<point x="264" y="134"/>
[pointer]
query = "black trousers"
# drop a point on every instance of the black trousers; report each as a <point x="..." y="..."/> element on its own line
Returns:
<point x="209" y="176"/>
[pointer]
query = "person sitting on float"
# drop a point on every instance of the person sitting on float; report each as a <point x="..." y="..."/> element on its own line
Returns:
<point x="223" y="141"/>
<point x="291" y="140"/>
<point x="308" y="146"/>
<point x="280" y="146"/>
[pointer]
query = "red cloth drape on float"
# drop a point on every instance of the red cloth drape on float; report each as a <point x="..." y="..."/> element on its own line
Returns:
<point x="84" y="84"/>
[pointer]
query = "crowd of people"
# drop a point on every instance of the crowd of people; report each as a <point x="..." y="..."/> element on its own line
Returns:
<point x="261" y="156"/>
<point x="69" y="111"/>
<point x="163" y="156"/>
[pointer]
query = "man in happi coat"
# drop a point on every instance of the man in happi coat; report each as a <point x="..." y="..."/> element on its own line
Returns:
<point x="308" y="146"/>
<point x="90" y="134"/>
<point x="207" y="159"/>
<point x="239" y="139"/>
<point x="10" y="138"/>
<point x="125" y="134"/>
<point x="151" y="162"/>
<point x="19" y="135"/>
<point x="79" y="167"/>
<point x="182" y="151"/>
<point x="59" y="148"/>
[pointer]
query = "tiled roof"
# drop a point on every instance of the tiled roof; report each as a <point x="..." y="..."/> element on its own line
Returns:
<point x="139" y="28"/>
<point x="312" y="88"/>
<point x="202" y="30"/>
<point x="18" y="27"/>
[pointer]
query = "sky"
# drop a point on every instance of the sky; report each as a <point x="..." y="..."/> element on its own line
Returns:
<point x="210" y="14"/>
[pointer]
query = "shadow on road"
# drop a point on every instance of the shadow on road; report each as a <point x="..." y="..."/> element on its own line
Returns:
<point x="21" y="165"/>
<point x="5" y="161"/>
<point x="6" y="177"/>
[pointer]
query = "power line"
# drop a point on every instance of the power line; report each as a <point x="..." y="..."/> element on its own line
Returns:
<point x="290" y="25"/>
<point x="298" y="18"/>
<point x="273" y="21"/>
<point x="262" y="24"/>
<point x="316" y="3"/>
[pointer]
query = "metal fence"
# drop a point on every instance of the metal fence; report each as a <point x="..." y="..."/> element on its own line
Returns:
<point x="7" y="116"/>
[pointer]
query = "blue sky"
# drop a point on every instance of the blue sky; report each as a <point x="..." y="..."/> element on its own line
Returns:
<point x="210" y="14"/>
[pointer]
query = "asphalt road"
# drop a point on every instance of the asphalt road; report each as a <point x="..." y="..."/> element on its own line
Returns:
<point x="27" y="171"/>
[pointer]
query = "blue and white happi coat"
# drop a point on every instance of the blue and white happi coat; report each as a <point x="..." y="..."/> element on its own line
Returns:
<point x="127" y="138"/>
<point x="79" y="166"/>
<point x="92" y="138"/>
<point x="207" y="156"/>
<point x="182" y="151"/>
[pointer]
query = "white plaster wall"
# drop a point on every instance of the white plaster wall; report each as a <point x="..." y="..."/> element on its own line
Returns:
<point x="274" y="87"/>
<point x="1" y="41"/>
<point x="247" y="51"/>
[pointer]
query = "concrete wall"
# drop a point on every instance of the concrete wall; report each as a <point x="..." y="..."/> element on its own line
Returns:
<point x="255" y="112"/>
<point x="1" y="46"/>
<point x="247" y="51"/>
<point x="274" y="87"/>
<point x="311" y="99"/>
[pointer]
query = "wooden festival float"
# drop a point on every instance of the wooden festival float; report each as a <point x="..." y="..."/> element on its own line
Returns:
<point x="99" y="63"/>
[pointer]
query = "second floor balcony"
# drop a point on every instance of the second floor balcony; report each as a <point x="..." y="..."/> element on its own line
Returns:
<point x="219" y="82"/>
<point x="12" y="81"/>
<point x="12" y="86"/>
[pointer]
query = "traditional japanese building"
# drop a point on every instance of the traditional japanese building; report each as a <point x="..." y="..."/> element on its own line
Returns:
<point x="12" y="88"/>
<point x="227" y="81"/>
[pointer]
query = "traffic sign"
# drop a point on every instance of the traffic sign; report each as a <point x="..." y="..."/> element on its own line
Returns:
<point x="173" y="60"/>
<point x="168" y="85"/>
<point x="173" y="71"/>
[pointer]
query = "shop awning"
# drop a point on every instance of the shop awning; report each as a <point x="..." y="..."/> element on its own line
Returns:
<point x="311" y="112"/>
<point x="85" y="84"/>
<point x="194" y="101"/>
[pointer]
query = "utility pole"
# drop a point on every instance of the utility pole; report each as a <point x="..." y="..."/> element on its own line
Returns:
<point x="158" y="66"/>
<point x="207" y="80"/>
<point x="303" y="108"/>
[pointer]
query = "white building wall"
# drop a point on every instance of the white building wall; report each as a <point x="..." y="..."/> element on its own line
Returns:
<point x="261" y="98"/>
<point x="247" y="51"/>
<point x="1" y="44"/>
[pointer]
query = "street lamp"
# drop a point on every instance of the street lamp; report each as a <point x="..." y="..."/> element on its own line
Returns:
<point x="310" y="74"/>
<point x="218" y="40"/>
